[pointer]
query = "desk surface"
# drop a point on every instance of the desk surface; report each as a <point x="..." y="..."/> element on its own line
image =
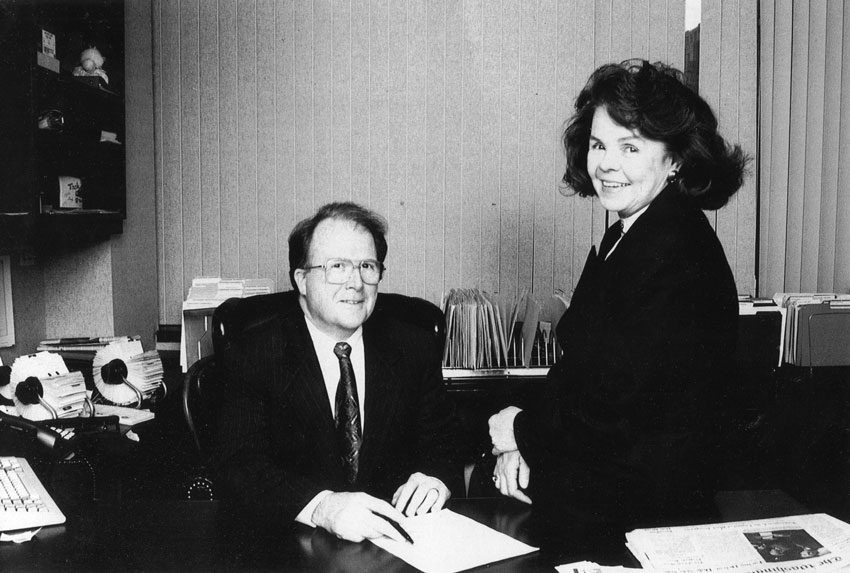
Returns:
<point x="185" y="535"/>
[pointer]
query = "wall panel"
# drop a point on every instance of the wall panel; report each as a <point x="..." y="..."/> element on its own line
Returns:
<point x="445" y="116"/>
<point x="805" y="125"/>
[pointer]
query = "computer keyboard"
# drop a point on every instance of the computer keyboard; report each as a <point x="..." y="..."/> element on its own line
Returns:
<point x="24" y="503"/>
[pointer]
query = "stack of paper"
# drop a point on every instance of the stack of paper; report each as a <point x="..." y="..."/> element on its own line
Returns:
<point x="498" y="331"/>
<point x="814" y="542"/>
<point x="446" y="542"/>
<point x="209" y="292"/>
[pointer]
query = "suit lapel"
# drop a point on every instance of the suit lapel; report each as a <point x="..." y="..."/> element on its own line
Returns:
<point x="303" y="375"/>
<point x="383" y="393"/>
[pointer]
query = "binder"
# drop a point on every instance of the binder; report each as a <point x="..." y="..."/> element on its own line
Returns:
<point x="823" y="334"/>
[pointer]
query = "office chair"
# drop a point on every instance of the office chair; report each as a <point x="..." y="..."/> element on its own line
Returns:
<point x="202" y="390"/>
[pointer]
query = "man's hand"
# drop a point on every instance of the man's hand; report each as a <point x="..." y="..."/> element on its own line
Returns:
<point x="502" y="430"/>
<point x="421" y="494"/>
<point x="511" y="476"/>
<point x="351" y="516"/>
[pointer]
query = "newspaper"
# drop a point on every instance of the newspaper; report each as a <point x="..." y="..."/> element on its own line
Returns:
<point x="813" y="542"/>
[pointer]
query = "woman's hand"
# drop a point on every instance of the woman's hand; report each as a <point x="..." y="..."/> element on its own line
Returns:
<point x="502" y="430"/>
<point x="511" y="476"/>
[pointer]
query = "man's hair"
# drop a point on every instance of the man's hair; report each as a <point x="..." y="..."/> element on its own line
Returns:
<point x="653" y="100"/>
<point x="301" y="236"/>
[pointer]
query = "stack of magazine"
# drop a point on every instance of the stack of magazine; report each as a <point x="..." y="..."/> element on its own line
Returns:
<point x="485" y="331"/>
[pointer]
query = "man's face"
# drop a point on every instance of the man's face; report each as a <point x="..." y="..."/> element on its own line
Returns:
<point x="337" y="310"/>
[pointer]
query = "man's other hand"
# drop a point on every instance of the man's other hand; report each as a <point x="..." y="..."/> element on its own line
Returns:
<point x="351" y="516"/>
<point x="511" y="476"/>
<point x="421" y="494"/>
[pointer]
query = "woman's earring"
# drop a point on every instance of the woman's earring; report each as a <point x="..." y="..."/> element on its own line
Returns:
<point x="673" y="176"/>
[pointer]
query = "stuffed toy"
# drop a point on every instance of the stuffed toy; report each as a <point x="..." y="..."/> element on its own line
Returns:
<point x="91" y="64"/>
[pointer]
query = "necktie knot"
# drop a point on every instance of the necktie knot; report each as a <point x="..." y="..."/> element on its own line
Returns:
<point x="342" y="350"/>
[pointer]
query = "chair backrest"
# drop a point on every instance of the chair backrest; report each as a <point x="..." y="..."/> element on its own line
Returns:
<point x="202" y="391"/>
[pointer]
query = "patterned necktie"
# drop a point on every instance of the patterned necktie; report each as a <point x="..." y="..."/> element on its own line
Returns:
<point x="348" y="429"/>
<point x="612" y="235"/>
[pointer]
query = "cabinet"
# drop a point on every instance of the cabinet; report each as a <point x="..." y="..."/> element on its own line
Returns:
<point x="62" y="162"/>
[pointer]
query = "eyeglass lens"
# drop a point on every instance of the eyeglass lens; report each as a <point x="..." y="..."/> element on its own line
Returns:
<point x="338" y="271"/>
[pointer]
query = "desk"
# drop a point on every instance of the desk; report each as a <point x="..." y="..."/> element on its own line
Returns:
<point x="185" y="535"/>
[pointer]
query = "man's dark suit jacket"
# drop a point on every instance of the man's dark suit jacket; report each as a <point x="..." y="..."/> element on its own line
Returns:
<point x="276" y="432"/>
<point x="629" y="433"/>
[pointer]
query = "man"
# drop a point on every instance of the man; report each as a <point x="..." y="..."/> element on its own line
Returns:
<point x="301" y="440"/>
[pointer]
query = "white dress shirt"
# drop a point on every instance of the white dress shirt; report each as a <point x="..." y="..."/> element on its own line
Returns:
<point x="329" y="362"/>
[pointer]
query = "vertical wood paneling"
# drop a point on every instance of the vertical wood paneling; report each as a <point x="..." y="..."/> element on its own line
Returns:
<point x="210" y="164"/>
<point x="267" y="261"/>
<point x="491" y="146"/>
<point x="172" y="204"/>
<point x="359" y="95"/>
<point x="284" y="134"/>
<point x="323" y="96"/>
<point x="379" y="191"/>
<point x="566" y="88"/>
<point x="190" y="140"/>
<point x="341" y="144"/>
<point x="246" y="28"/>
<point x="445" y="116"/>
<point x="528" y="21"/>
<point x="435" y="155"/>
<point x="303" y="77"/>
<point x="545" y="123"/>
<point x="228" y="106"/>
<point x="417" y="58"/>
<point x="589" y="217"/>
<point x="509" y="119"/>
<point x="470" y="236"/>
<point x="397" y="137"/>
<point x="452" y="117"/>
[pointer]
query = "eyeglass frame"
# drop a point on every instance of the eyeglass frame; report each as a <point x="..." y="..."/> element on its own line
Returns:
<point x="351" y="265"/>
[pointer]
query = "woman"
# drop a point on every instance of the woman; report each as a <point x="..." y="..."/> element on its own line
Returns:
<point x="627" y="432"/>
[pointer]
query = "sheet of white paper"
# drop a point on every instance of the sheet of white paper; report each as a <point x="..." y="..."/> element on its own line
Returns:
<point x="446" y="542"/>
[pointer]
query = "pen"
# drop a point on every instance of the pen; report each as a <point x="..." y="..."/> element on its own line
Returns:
<point x="396" y="525"/>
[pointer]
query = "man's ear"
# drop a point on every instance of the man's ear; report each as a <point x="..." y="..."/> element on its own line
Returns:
<point x="300" y="276"/>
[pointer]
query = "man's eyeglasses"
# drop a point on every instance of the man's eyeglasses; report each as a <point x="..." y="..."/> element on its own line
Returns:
<point x="338" y="271"/>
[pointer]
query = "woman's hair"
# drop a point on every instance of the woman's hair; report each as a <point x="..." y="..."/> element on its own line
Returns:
<point x="301" y="236"/>
<point x="653" y="100"/>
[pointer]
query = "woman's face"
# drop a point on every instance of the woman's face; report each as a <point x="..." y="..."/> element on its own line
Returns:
<point x="627" y="171"/>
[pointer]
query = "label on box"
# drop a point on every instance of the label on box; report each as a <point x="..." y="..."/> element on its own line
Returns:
<point x="69" y="192"/>
<point x="48" y="44"/>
